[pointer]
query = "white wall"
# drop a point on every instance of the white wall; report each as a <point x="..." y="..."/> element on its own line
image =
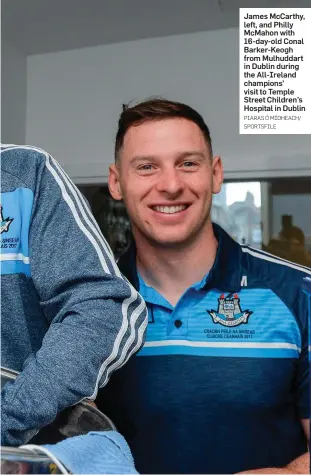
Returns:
<point x="74" y="99"/>
<point x="13" y="95"/>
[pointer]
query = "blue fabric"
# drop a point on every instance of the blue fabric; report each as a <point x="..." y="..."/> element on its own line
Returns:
<point x="68" y="317"/>
<point x="96" y="452"/>
<point x="205" y="331"/>
<point x="15" y="230"/>
<point x="307" y="289"/>
<point x="209" y="393"/>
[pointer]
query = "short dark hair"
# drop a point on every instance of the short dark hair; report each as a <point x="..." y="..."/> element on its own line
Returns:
<point x="157" y="109"/>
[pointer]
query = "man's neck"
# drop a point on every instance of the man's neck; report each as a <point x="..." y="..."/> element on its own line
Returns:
<point x="171" y="271"/>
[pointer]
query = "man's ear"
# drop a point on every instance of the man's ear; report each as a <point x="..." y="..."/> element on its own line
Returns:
<point x="218" y="174"/>
<point x="114" y="183"/>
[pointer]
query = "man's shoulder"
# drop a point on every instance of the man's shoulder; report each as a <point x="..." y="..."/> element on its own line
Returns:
<point x="21" y="165"/>
<point x="280" y="275"/>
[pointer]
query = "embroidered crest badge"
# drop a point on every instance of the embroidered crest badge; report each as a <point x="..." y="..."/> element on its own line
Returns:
<point x="5" y="223"/>
<point x="229" y="312"/>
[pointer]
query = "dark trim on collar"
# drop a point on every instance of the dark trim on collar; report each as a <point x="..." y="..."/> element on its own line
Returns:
<point x="127" y="264"/>
<point x="225" y="275"/>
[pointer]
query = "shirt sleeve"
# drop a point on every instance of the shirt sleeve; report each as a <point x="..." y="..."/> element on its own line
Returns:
<point x="96" y="319"/>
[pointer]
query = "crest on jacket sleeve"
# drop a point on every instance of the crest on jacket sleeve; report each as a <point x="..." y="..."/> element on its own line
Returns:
<point x="5" y="222"/>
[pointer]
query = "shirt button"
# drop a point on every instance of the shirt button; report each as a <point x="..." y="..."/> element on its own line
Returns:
<point x="178" y="323"/>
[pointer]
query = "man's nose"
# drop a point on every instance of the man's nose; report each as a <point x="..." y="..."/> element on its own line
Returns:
<point x="170" y="182"/>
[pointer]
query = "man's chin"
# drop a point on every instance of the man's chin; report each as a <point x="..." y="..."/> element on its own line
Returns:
<point x="170" y="241"/>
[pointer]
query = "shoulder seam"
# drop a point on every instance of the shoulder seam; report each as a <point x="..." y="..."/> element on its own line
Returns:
<point x="17" y="177"/>
<point x="10" y="147"/>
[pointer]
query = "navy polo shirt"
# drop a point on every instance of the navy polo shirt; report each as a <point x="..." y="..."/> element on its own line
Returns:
<point x="221" y="382"/>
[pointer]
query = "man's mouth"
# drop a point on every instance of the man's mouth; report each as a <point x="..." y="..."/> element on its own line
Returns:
<point x="169" y="209"/>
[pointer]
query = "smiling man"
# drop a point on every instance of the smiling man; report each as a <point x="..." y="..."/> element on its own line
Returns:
<point x="221" y="384"/>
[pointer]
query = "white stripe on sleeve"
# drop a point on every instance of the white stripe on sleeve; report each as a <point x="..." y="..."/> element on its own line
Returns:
<point x="61" y="179"/>
<point x="275" y="259"/>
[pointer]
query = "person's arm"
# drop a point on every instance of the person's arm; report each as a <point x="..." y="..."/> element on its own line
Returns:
<point x="300" y="464"/>
<point x="96" y="319"/>
<point x="297" y="466"/>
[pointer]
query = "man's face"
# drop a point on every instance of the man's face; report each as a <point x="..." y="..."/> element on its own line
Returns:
<point x="166" y="178"/>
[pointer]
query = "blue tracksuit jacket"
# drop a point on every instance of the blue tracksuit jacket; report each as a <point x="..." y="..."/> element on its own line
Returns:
<point x="69" y="318"/>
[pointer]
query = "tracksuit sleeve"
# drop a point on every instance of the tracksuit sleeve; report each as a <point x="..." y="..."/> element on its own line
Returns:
<point x="303" y="370"/>
<point x="96" y="319"/>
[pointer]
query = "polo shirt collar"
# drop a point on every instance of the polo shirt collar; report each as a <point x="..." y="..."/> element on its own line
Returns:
<point x="225" y="275"/>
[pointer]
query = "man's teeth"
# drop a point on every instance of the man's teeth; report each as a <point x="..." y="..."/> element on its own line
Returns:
<point x="170" y="209"/>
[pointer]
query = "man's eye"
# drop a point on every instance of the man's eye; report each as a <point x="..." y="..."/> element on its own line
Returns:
<point x="188" y="164"/>
<point x="145" y="167"/>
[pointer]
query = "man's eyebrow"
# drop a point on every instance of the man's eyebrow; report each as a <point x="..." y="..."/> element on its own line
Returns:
<point x="192" y="153"/>
<point x="181" y="156"/>
<point x="142" y="158"/>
